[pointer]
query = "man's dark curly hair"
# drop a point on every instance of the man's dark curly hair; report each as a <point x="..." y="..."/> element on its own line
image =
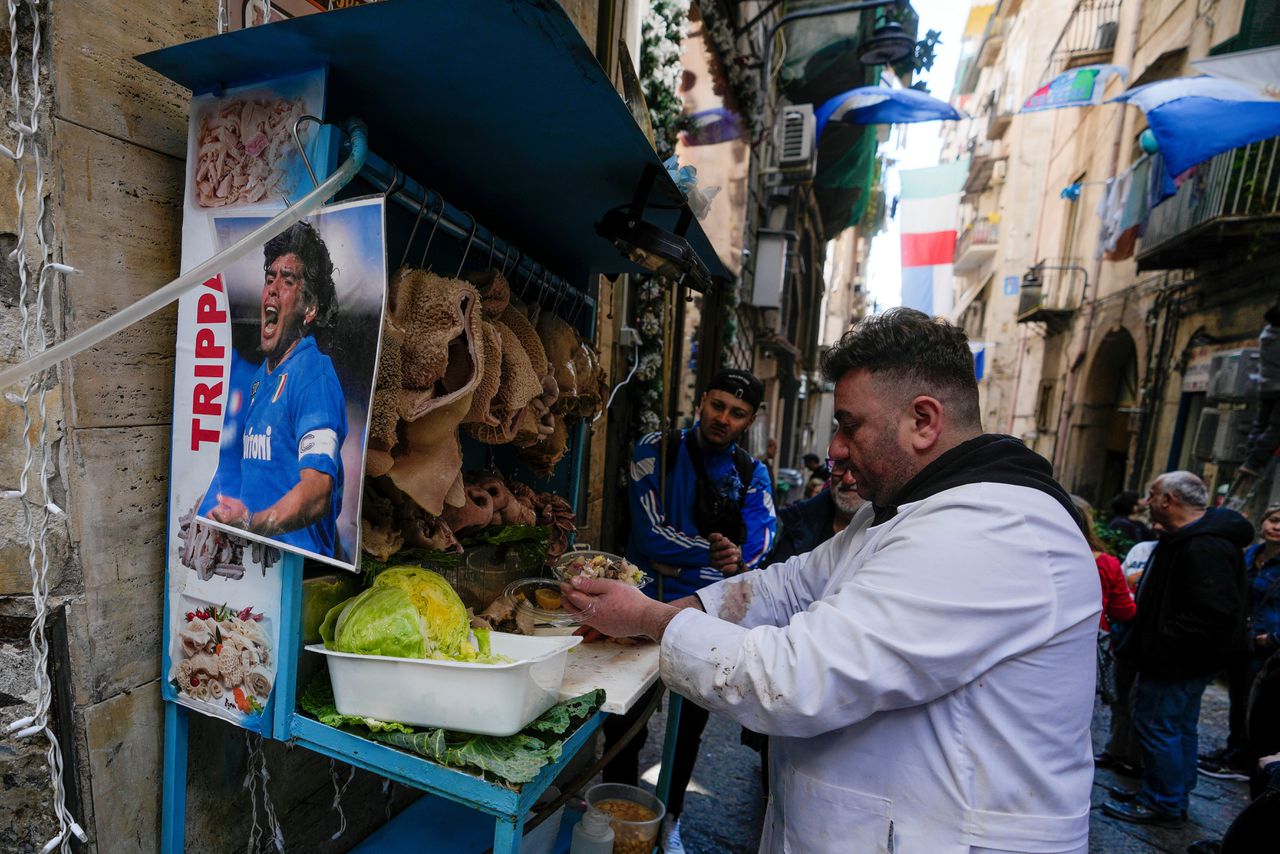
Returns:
<point x="916" y="353"/>
<point x="303" y="240"/>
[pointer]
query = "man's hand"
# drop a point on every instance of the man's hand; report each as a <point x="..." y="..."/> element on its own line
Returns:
<point x="616" y="609"/>
<point x="231" y="511"/>
<point x="725" y="556"/>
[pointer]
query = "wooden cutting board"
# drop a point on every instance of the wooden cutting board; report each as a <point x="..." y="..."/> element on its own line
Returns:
<point x="624" y="672"/>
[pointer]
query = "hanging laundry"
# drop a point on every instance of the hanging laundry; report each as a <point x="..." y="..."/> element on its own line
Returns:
<point x="1111" y="211"/>
<point x="1134" y="214"/>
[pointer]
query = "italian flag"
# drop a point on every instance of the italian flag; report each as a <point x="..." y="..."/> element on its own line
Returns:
<point x="927" y="213"/>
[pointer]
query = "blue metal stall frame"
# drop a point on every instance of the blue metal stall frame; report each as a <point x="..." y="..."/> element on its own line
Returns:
<point x="514" y="94"/>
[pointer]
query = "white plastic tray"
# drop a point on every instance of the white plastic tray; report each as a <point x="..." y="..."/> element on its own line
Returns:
<point x="489" y="699"/>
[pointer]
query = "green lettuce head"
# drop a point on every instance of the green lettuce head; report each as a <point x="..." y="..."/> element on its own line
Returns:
<point x="379" y="621"/>
<point x="443" y="613"/>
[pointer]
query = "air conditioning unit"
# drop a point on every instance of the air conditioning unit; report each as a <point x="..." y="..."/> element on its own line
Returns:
<point x="1206" y="433"/>
<point x="770" y="271"/>
<point x="1232" y="373"/>
<point x="794" y="142"/>
<point x="999" y="170"/>
<point x="1231" y="438"/>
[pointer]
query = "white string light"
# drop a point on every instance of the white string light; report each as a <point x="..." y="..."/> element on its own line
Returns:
<point x="338" y="792"/>
<point x="256" y="776"/>
<point x="36" y="511"/>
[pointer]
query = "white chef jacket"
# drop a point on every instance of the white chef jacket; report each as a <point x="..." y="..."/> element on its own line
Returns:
<point x="927" y="682"/>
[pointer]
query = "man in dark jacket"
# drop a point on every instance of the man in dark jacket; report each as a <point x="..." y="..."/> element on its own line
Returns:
<point x="1191" y="620"/>
<point x="807" y="524"/>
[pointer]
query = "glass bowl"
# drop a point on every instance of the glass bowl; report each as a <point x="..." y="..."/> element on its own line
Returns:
<point x="542" y="601"/>
<point x="598" y="564"/>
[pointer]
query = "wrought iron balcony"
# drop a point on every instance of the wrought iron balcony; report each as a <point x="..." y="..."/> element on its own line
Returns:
<point x="1089" y="36"/>
<point x="1052" y="293"/>
<point x="976" y="244"/>
<point x="1224" y="205"/>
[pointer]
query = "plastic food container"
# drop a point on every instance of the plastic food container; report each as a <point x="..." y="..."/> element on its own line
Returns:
<point x="541" y="600"/>
<point x="563" y="567"/>
<point x="489" y="699"/>
<point x="633" y="835"/>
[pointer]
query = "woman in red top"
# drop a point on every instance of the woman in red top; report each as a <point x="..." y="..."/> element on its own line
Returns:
<point x="1117" y="601"/>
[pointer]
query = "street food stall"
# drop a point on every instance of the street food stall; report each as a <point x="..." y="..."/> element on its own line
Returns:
<point x="479" y="173"/>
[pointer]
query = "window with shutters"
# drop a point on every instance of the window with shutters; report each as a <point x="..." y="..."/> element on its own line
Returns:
<point x="1259" y="27"/>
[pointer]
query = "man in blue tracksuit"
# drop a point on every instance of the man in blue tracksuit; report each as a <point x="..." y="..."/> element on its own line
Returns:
<point x="290" y="484"/>
<point x="715" y="518"/>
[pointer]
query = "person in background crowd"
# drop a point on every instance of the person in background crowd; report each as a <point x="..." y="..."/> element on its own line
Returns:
<point x="1264" y="436"/>
<point x="714" y="519"/>
<point x="1122" y="753"/>
<point x="1190" y="621"/>
<point x="805" y="525"/>
<point x="925" y="676"/>
<point x="1136" y="561"/>
<point x="1117" y="610"/>
<point x="1126" y="510"/>
<point x="1262" y="564"/>
<point x="817" y="475"/>
<point x="1117" y="601"/>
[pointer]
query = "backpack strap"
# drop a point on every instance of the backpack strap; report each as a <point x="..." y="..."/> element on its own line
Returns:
<point x="746" y="466"/>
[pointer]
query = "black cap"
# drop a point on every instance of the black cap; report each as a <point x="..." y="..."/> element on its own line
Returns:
<point x="740" y="384"/>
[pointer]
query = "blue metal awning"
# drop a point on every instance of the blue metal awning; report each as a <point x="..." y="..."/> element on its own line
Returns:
<point x="498" y="104"/>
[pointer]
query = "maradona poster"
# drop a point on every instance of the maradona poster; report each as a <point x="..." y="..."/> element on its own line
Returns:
<point x="301" y="329"/>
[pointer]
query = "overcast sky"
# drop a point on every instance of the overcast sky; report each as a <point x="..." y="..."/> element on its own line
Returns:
<point x="916" y="145"/>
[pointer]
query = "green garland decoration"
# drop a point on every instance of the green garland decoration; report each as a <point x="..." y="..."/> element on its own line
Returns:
<point x="744" y="82"/>
<point x="647" y="396"/>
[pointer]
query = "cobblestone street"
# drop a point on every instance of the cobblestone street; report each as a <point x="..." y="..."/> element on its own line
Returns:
<point x="724" y="809"/>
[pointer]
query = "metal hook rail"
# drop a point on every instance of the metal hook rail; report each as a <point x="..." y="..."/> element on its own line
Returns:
<point x="425" y="203"/>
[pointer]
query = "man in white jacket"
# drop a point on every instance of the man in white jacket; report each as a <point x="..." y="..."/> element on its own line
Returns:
<point x="927" y="675"/>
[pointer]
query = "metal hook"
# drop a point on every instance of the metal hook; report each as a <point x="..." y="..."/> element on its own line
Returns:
<point x="492" y="240"/>
<point x="515" y="274"/>
<point x="297" y="140"/>
<point x="530" y="265"/>
<point x="414" y="232"/>
<point x="422" y="265"/>
<point x="555" y="305"/>
<point x="467" y="249"/>
<point x="397" y="178"/>
<point x="506" y="256"/>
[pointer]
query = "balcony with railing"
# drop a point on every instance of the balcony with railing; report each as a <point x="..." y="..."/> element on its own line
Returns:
<point x="975" y="245"/>
<point x="1089" y="36"/>
<point x="1052" y="292"/>
<point x="998" y="116"/>
<point x="1224" y="205"/>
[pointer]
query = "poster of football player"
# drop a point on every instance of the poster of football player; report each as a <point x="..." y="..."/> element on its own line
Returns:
<point x="303" y="320"/>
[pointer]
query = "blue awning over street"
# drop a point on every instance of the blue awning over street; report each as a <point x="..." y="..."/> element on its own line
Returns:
<point x="498" y="104"/>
